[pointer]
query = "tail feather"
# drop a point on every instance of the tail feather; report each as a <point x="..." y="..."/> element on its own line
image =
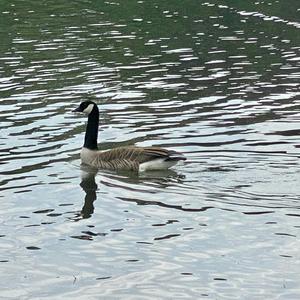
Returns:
<point x="175" y="156"/>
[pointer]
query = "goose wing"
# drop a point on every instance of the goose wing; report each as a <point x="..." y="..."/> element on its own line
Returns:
<point x="157" y="152"/>
<point x="139" y="154"/>
<point x="131" y="158"/>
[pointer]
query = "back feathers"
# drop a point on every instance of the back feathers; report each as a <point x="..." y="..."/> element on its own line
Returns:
<point x="132" y="158"/>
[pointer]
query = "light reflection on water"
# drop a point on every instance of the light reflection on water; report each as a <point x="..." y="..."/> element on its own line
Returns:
<point x="219" y="83"/>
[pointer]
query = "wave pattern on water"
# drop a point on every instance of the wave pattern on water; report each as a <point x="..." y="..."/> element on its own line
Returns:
<point x="219" y="83"/>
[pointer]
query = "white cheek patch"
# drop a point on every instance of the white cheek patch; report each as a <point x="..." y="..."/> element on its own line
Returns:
<point x="89" y="109"/>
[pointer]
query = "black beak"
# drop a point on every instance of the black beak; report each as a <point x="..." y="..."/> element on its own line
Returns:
<point x="76" y="109"/>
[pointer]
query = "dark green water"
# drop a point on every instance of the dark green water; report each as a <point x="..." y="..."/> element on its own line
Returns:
<point x="216" y="80"/>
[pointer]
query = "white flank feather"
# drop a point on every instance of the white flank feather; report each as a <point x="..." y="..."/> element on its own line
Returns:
<point x="156" y="164"/>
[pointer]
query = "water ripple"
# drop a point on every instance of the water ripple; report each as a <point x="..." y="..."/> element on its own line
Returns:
<point x="219" y="83"/>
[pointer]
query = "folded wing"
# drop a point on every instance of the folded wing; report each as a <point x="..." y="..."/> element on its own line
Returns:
<point x="131" y="158"/>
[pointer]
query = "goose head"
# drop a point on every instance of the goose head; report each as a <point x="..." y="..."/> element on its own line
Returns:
<point x="86" y="107"/>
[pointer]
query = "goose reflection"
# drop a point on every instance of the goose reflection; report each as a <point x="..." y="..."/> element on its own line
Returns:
<point x="125" y="180"/>
<point x="89" y="186"/>
<point x="141" y="182"/>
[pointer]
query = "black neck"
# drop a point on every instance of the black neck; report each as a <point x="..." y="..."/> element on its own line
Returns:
<point x="91" y="133"/>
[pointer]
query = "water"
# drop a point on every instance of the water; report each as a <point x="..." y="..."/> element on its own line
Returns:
<point x="218" y="81"/>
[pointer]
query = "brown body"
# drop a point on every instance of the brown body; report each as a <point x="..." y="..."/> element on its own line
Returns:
<point x="131" y="158"/>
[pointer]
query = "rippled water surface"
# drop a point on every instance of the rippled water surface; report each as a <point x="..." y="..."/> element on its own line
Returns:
<point x="216" y="80"/>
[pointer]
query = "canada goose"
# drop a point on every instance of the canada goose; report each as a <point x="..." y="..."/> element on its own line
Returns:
<point x="121" y="158"/>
